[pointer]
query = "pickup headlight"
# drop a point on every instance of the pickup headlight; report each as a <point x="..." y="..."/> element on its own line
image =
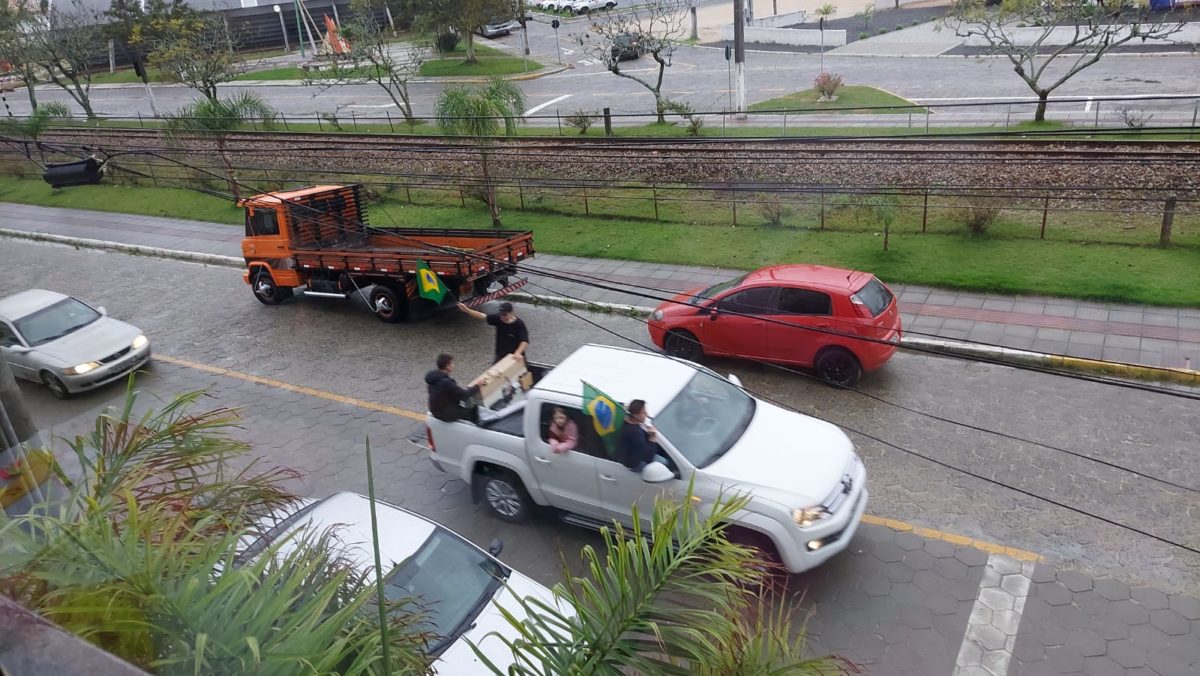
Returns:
<point x="809" y="515"/>
<point x="656" y="316"/>
<point x="139" y="342"/>
<point x="82" y="368"/>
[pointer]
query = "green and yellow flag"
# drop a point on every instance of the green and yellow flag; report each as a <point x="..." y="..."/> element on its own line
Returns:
<point x="607" y="415"/>
<point x="429" y="285"/>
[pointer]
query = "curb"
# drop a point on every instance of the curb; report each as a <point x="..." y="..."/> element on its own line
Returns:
<point x="134" y="249"/>
<point x="1133" y="371"/>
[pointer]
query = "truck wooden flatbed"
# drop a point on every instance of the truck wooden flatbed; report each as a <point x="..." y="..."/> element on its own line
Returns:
<point x="318" y="237"/>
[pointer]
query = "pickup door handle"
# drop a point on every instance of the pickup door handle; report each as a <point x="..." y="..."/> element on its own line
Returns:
<point x="544" y="461"/>
<point x="606" y="477"/>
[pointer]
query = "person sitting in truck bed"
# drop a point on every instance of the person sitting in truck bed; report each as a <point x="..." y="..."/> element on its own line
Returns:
<point x="449" y="401"/>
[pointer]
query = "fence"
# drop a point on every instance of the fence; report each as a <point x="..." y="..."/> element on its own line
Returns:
<point x="1147" y="217"/>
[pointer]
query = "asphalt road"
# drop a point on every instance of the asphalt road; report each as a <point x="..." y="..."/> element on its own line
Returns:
<point x="208" y="316"/>
<point x="699" y="75"/>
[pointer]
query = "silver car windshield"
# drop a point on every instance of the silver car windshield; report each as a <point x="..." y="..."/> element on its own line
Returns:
<point x="449" y="581"/>
<point x="706" y="418"/>
<point x="65" y="316"/>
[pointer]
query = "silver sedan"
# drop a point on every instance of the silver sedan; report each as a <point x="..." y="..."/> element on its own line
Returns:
<point x="66" y="344"/>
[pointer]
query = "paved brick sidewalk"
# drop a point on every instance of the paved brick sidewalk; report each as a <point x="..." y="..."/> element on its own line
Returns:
<point x="1136" y="334"/>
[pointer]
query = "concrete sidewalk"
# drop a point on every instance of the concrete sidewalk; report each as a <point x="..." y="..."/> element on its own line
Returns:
<point x="1150" y="336"/>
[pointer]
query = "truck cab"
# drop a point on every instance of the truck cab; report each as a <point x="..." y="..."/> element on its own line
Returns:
<point x="806" y="485"/>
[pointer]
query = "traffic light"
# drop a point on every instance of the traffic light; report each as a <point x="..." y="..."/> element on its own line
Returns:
<point x="83" y="172"/>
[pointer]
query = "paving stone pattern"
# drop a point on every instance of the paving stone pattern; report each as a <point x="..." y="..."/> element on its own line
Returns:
<point x="1129" y="333"/>
<point x="893" y="602"/>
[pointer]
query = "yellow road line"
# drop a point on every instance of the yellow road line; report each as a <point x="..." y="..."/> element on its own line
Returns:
<point x="351" y="401"/>
<point x="899" y="526"/>
<point x="952" y="538"/>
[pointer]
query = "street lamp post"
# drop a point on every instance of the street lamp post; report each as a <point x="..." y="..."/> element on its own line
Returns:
<point x="287" y="46"/>
<point x="299" y="35"/>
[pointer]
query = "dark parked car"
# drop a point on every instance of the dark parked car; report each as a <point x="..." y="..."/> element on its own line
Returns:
<point x="626" y="47"/>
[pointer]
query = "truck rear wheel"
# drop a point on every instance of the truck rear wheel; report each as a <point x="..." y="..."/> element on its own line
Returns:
<point x="505" y="495"/>
<point x="388" y="305"/>
<point x="267" y="291"/>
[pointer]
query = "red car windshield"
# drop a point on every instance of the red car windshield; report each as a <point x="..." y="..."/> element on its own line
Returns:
<point x="716" y="290"/>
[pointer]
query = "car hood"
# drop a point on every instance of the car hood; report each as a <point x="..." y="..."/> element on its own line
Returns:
<point x="460" y="658"/>
<point x="785" y="456"/>
<point x="93" y="342"/>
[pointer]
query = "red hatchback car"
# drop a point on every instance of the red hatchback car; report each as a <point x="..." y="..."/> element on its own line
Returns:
<point x="802" y="315"/>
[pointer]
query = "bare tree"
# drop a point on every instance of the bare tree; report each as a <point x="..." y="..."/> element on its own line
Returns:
<point x="199" y="52"/>
<point x="1069" y="35"/>
<point x="654" y="28"/>
<point x="374" y="58"/>
<point x="15" y="45"/>
<point x="60" y="45"/>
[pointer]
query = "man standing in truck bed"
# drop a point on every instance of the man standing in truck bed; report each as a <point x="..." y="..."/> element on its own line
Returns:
<point x="511" y="335"/>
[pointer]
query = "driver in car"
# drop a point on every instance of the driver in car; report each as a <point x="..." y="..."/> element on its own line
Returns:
<point x="638" y="444"/>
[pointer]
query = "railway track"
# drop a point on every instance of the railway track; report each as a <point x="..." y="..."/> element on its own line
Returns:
<point x="1081" y="168"/>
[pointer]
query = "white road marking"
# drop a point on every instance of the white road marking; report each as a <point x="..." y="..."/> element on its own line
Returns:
<point x="991" y="634"/>
<point x="534" y="109"/>
<point x="1087" y="106"/>
<point x="371" y="105"/>
<point x="568" y="52"/>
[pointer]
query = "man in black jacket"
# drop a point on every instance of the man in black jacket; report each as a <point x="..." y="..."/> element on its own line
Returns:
<point x="448" y="401"/>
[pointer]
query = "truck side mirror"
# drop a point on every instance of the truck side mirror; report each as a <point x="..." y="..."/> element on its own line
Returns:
<point x="496" y="547"/>
<point x="656" y="473"/>
<point x="102" y="311"/>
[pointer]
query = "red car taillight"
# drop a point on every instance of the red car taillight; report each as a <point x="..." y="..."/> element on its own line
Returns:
<point x="429" y="438"/>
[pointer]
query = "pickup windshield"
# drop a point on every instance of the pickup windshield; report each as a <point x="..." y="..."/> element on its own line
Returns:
<point x="449" y="581"/>
<point x="706" y="418"/>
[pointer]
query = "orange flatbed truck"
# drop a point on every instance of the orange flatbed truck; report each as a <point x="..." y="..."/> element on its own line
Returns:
<point x="318" y="238"/>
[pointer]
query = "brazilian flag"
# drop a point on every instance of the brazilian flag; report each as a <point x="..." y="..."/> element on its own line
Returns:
<point x="607" y="415"/>
<point x="429" y="285"/>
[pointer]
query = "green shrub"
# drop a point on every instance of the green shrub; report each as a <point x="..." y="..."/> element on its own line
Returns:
<point x="446" y="42"/>
<point x="881" y="31"/>
<point x="863" y="35"/>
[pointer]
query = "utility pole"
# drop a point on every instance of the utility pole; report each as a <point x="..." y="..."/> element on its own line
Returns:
<point x="695" y="21"/>
<point x="525" y="17"/>
<point x="739" y="58"/>
<point x="299" y="35"/>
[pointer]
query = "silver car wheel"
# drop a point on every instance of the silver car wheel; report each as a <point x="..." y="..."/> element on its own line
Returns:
<point x="503" y="498"/>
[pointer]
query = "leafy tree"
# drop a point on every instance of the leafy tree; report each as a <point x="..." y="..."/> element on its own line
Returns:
<point x="657" y="26"/>
<point x="215" y="119"/>
<point x="374" y="58"/>
<point x="466" y="16"/>
<point x="146" y="557"/>
<point x="676" y="598"/>
<point x="135" y="27"/>
<point x="476" y="113"/>
<point x="1022" y="30"/>
<point x="196" y="51"/>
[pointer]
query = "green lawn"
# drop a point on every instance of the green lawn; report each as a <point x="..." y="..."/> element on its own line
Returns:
<point x="852" y="99"/>
<point x="492" y="61"/>
<point x="944" y="257"/>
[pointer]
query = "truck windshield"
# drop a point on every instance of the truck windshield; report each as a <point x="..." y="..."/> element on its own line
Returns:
<point x="449" y="582"/>
<point x="706" y="418"/>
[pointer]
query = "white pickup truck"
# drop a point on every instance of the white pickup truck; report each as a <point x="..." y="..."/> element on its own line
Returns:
<point x="807" y="487"/>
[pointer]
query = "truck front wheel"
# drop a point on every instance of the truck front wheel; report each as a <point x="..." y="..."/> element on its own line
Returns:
<point x="388" y="305"/>
<point x="267" y="291"/>
<point x="505" y="495"/>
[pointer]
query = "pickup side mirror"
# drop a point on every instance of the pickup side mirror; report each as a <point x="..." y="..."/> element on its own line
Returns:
<point x="735" y="380"/>
<point x="656" y="473"/>
<point x="101" y="310"/>
<point x="496" y="547"/>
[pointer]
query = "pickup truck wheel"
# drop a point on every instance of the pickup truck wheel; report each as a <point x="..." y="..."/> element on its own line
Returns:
<point x="838" y="367"/>
<point x="767" y="560"/>
<point x="505" y="496"/>
<point x="267" y="291"/>
<point x="387" y="304"/>
<point x="610" y="5"/>
<point x="683" y="345"/>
